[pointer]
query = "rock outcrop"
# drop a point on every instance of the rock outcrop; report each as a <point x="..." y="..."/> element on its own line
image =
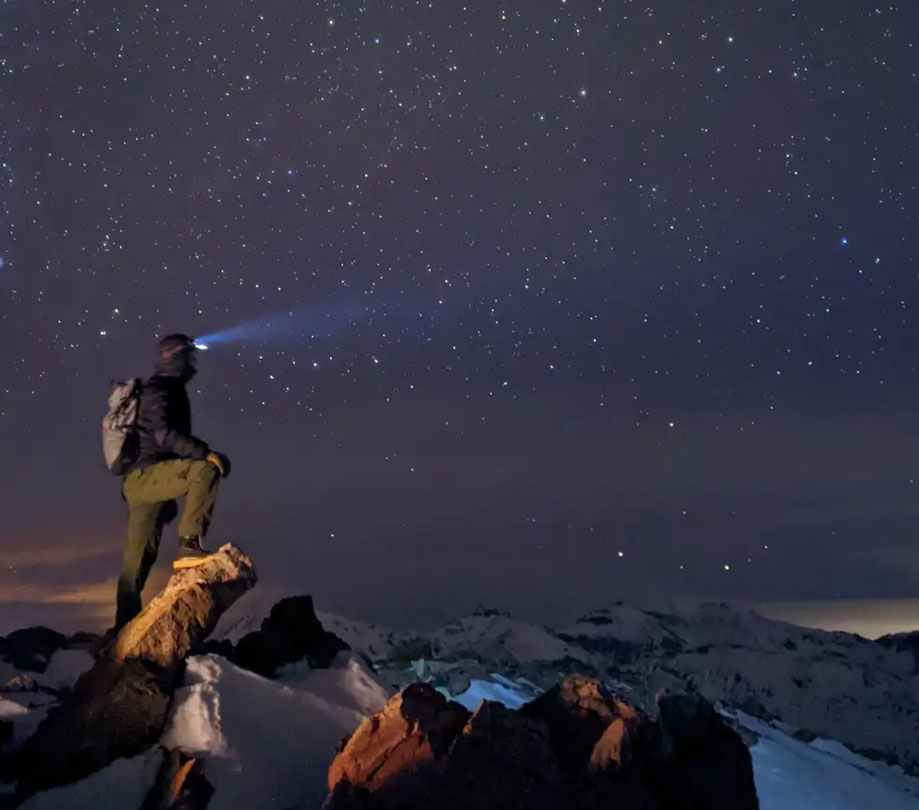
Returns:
<point x="574" y="747"/>
<point x="291" y="632"/>
<point x="118" y="708"/>
<point x="413" y="730"/>
<point x="31" y="649"/>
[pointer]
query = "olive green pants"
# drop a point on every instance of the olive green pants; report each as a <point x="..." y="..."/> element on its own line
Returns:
<point x="151" y="494"/>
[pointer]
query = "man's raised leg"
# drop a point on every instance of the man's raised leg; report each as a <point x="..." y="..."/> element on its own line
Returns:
<point x="200" y="500"/>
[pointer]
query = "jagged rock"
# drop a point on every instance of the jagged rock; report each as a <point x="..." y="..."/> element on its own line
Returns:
<point x="118" y="708"/>
<point x="501" y="759"/>
<point x="31" y="648"/>
<point x="180" y="785"/>
<point x="575" y="748"/>
<point x="577" y="713"/>
<point x="421" y="752"/>
<point x="290" y="633"/>
<point x="414" y="729"/>
<point x="608" y="750"/>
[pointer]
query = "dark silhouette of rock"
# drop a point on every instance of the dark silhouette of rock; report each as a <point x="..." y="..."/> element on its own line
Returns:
<point x="573" y="748"/>
<point x="290" y="633"/>
<point x="708" y="763"/>
<point x="31" y="648"/>
<point x="501" y="759"/>
<point x="83" y="640"/>
<point x="118" y="707"/>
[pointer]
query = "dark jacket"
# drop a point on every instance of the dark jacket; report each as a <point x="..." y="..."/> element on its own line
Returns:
<point x="164" y="418"/>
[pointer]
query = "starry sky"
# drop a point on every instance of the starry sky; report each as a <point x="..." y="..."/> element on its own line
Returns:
<point x="540" y="304"/>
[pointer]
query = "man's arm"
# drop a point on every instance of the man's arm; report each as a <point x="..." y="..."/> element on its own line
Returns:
<point x="165" y="435"/>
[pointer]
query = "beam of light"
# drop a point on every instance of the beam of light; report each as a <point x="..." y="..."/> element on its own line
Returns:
<point x="315" y="322"/>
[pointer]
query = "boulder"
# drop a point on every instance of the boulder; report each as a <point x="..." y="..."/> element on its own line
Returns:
<point x="413" y="730"/>
<point x="185" y="612"/>
<point x="290" y="633"/>
<point x="31" y="648"/>
<point x="118" y="707"/>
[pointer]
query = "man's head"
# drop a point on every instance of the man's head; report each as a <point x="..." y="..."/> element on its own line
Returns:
<point x="176" y="356"/>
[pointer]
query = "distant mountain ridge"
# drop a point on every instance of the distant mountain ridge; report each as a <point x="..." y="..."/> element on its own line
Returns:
<point x="862" y="693"/>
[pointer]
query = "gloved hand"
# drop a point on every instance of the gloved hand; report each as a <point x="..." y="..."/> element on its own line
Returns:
<point x="220" y="461"/>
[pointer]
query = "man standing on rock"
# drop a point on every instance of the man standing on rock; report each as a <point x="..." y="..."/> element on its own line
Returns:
<point x="170" y="463"/>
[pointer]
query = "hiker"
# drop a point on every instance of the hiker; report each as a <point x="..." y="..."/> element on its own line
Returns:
<point x="166" y="462"/>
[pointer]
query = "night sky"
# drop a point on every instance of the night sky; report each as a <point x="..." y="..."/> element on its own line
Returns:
<point x="539" y="304"/>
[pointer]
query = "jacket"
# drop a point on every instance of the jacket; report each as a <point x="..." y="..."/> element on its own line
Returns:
<point x="164" y="419"/>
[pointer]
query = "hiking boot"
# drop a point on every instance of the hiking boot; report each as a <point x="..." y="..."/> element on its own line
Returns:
<point x="190" y="553"/>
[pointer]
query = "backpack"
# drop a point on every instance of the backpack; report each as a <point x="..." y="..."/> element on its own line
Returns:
<point x="120" y="436"/>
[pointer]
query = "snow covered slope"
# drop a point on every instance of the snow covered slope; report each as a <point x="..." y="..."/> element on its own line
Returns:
<point x="823" y="775"/>
<point x="269" y="743"/>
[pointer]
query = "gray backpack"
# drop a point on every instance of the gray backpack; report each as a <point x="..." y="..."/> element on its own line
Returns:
<point x="119" y="426"/>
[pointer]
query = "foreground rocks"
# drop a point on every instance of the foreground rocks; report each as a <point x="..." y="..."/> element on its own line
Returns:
<point x="573" y="747"/>
<point x="118" y="708"/>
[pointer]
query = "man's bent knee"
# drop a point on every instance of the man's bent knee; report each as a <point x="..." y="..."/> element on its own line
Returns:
<point x="201" y="470"/>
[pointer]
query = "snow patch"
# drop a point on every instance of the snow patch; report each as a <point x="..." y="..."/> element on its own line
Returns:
<point x="503" y="690"/>
<point x="823" y="775"/>
<point x="124" y="783"/>
<point x="64" y="668"/>
<point x="269" y="743"/>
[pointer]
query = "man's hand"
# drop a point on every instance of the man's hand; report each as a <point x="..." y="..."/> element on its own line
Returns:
<point x="220" y="461"/>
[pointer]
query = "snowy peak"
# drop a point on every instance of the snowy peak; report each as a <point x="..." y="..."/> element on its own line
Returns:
<point x="498" y="637"/>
